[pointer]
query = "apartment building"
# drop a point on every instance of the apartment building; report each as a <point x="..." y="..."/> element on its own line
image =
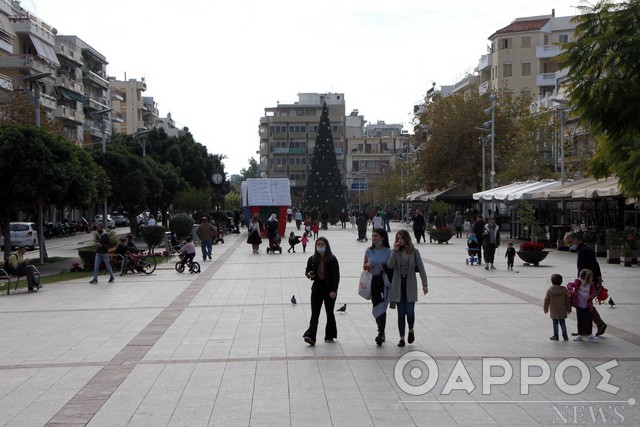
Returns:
<point x="523" y="56"/>
<point x="288" y="135"/>
<point x="27" y="48"/>
<point x="128" y="103"/>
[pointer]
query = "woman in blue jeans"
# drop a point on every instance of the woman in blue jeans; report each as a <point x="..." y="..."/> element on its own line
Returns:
<point x="405" y="261"/>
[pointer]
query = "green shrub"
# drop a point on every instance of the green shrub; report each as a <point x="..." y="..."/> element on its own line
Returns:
<point x="113" y="239"/>
<point x="87" y="255"/>
<point x="152" y="235"/>
<point x="182" y="224"/>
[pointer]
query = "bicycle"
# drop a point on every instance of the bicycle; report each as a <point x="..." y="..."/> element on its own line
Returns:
<point x="194" y="266"/>
<point x="137" y="263"/>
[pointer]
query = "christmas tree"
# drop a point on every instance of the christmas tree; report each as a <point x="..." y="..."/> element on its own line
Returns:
<point x="324" y="184"/>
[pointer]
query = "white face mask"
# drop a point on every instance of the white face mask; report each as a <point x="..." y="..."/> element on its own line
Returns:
<point x="321" y="249"/>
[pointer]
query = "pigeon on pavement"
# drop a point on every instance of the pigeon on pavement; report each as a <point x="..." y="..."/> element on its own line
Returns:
<point x="342" y="309"/>
<point x="611" y="303"/>
<point x="293" y="300"/>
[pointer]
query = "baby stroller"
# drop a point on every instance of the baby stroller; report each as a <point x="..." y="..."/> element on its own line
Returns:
<point x="472" y="249"/>
<point x="276" y="245"/>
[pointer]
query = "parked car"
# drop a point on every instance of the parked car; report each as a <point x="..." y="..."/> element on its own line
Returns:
<point x="22" y="234"/>
<point x="120" y="220"/>
<point x="110" y="222"/>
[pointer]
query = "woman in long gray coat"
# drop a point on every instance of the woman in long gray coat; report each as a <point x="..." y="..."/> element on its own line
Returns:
<point x="405" y="261"/>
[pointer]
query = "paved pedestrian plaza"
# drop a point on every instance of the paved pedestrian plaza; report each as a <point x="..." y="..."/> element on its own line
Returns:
<point x="225" y="348"/>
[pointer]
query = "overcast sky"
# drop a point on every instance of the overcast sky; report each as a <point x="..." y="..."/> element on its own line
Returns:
<point x="217" y="64"/>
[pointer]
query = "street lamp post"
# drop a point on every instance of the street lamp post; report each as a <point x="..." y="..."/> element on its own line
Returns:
<point x="35" y="99"/>
<point x="100" y="115"/>
<point x="142" y="142"/>
<point x="492" y="110"/>
<point x="563" y="121"/>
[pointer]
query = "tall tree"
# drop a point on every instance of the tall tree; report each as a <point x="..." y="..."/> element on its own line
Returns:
<point x="324" y="182"/>
<point x="253" y="171"/>
<point x="604" y="85"/>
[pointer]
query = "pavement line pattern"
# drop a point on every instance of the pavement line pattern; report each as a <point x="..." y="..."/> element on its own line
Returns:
<point x="620" y="333"/>
<point x="84" y="405"/>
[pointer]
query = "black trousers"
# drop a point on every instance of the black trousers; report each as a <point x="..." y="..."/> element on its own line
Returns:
<point x="377" y="296"/>
<point x="585" y="327"/>
<point x="489" y="252"/>
<point x="319" y="294"/>
<point x="24" y="270"/>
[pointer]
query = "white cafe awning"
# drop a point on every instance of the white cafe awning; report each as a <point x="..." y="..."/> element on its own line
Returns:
<point x="511" y="192"/>
<point x="587" y="188"/>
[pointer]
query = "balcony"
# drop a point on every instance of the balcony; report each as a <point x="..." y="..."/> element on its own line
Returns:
<point x="6" y="82"/>
<point x="93" y="77"/>
<point x="72" y="85"/>
<point x="465" y="83"/>
<point x="484" y="87"/>
<point x="48" y="102"/>
<point x="94" y="103"/>
<point x="70" y="114"/>
<point x="31" y="63"/>
<point x="29" y="24"/>
<point x="548" y="51"/>
<point x="546" y="79"/>
<point x="485" y="62"/>
<point x="70" y="54"/>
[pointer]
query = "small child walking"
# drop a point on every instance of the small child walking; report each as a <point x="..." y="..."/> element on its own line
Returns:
<point x="315" y="228"/>
<point x="558" y="304"/>
<point x="293" y="241"/>
<point x="466" y="227"/>
<point x="582" y="292"/>
<point x="304" y="241"/>
<point x="510" y="255"/>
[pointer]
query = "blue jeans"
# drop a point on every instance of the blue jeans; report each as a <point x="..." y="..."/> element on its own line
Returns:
<point x="563" y="326"/>
<point x="207" y="246"/>
<point x="96" y="264"/>
<point x="405" y="308"/>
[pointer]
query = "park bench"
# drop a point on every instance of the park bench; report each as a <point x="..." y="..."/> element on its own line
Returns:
<point x="7" y="277"/>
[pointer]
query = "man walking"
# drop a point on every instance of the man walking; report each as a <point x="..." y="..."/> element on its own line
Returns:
<point x="102" y="254"/>
<point x="205" y="234"/>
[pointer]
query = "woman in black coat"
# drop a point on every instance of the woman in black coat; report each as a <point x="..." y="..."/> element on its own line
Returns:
<point x="323" y="269"/>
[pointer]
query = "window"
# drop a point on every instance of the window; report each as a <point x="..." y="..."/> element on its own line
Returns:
<point x="507" y="70"/>
<point x="525" y="42"/>
<point x="564" y="38"/>
<point x="526" y="68"/>
<point x="505" y="43"/>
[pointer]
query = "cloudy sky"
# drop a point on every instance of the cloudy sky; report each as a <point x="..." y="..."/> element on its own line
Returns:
<point x="216" y="65"/>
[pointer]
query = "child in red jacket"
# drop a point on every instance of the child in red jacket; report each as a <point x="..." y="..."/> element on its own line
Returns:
<point x="582" y="292"/>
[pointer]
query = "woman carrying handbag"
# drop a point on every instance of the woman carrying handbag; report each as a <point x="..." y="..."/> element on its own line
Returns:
<point x="375" y="262"/>
<point x="405" y="261"/>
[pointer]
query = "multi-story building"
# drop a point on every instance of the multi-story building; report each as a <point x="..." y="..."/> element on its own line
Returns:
<point x="70" y="88"/>
<point x="288" y="136"/>
<point x="127" y="101"/>
<point x="523" y="56"/>
<point x="27" y="47"/>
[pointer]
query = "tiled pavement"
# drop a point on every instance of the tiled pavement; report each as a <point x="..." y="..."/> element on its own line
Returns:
<point x="224" y="347"/>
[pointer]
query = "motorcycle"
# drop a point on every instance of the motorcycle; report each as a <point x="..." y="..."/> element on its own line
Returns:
<point x="47" y="230"/>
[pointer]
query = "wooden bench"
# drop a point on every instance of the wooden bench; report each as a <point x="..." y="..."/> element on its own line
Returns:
<point x="4" y="275"/>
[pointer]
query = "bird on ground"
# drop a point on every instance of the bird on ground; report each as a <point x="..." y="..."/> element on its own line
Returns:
<point x="342" y="309"/>
<point x="611" y="303"/>
<point x="293" y="300"/>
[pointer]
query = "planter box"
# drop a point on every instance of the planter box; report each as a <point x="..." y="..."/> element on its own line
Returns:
<point x="627" y="261"/>
<point x="601" y="250"/>
<point x="613" y="256"/>
<point x="635" y="254"/>
<point x="532" y="257"/>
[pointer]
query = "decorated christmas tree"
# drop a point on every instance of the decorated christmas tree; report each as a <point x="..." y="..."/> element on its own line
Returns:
<point x="324" y="184"/>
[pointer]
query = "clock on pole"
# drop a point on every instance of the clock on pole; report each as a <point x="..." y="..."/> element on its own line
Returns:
<point x="217" y="178"/>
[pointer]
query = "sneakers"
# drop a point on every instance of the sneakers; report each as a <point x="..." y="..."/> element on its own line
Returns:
<point x="411" y="338"/>
<point x="566" y="338"/>
<point x="380" y="339"/>
<point x="592" y="338"/>
<point x="401" y="343"/>
<point x="554" y="338"/>
<point x="327" y="340"/>
<point x="492" y="267"/>
<point x="112" y="280"/>
<point x="579" y="338"/>
<point x="601" y="329"/>
<point x="486" y="267"/>
<point x="93" y="282"/>
<point x="210" y="254"/>
<point x="309" y="340"/>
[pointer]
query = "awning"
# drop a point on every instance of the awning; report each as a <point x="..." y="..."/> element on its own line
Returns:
<point x="70" y="95"/>
<point x="6" y="26"/>
<point x="45" y="51"/>
<point x="515" y="191"/>
<point x="587" y="188"/>
<point x="431" y="196"/>
<point x="414" y="196"/>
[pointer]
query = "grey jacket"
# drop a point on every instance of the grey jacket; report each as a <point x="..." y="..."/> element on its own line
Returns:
<point x="412" y="281"/>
